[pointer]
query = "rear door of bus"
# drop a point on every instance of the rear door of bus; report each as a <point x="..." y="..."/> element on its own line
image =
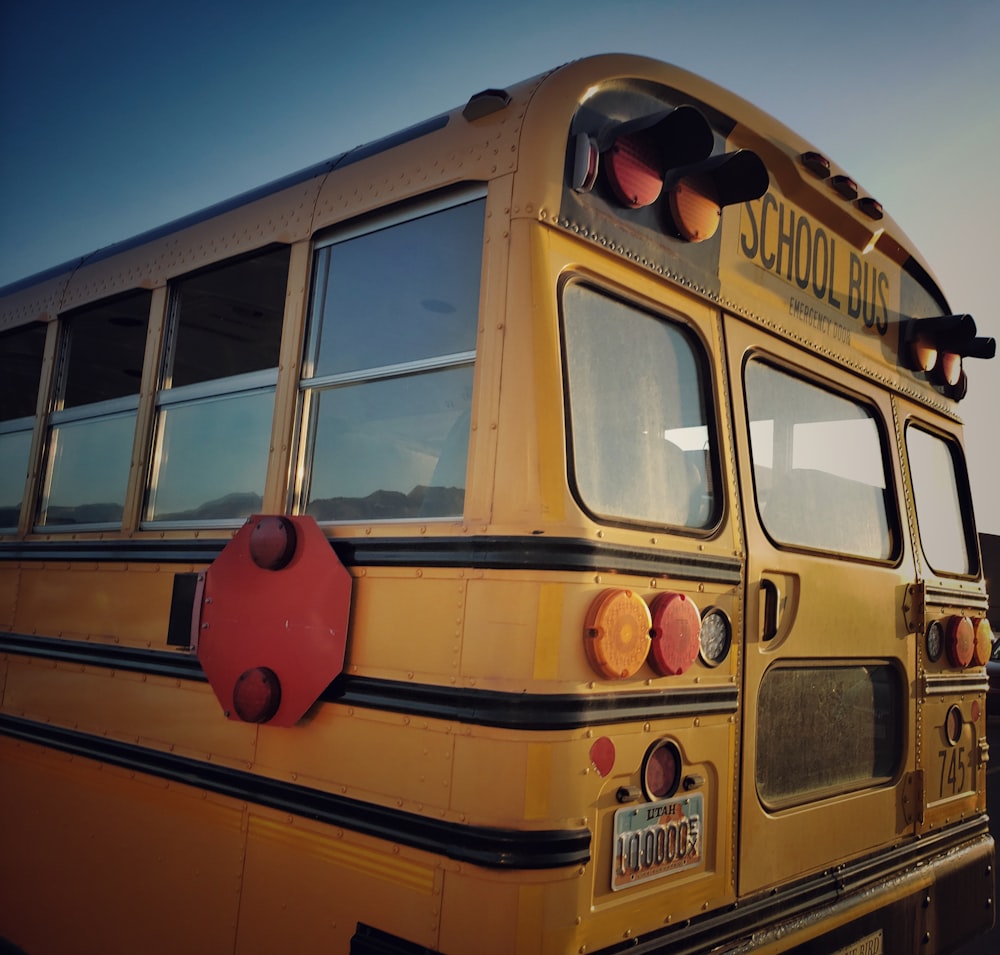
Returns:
<point x="828" y="661"/>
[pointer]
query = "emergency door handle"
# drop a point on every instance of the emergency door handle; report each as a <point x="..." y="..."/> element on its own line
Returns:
<point x="769" y="592"/>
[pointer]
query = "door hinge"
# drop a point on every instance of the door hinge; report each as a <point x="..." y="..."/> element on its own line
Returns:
<point x="913" y="797"/>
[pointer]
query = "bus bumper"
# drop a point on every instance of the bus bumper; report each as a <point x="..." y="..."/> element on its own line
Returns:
<point x="928" y="897"/>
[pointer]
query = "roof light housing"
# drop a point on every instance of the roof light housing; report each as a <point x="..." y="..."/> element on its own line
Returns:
<point x="936" y="346"/>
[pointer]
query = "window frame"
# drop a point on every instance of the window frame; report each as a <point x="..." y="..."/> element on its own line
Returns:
<point x="963" y="491"/>
<point x="26" y="424"/>
<point x="703" y="355"/>
<point x="206" y="391"/>
<point x="93" y="412"/>
<point x="886" y="446"/>
<point x="311" y="386"/>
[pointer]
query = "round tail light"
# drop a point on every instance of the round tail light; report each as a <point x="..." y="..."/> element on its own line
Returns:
<point x="675" y="634"/>
<point x="661" y="770"/>
<point x="716" y="637"/>
<point x="616" y="633"/>
<point x="983" y="643"/>
<point x="960" y="640"/>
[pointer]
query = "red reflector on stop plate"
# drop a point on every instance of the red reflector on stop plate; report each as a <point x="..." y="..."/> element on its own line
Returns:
<point x="675" y="634"/>
<point x="274" y="617"/>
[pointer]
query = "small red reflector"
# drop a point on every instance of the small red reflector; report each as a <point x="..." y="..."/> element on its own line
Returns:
<point x="631" y="167"/>
<point x="960" y="640"/>
<point x="675" y="634"/>
<point x="257" y="695"/>
<point x="602" y="755"/>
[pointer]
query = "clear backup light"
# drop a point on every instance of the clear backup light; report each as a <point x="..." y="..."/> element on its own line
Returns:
<point x="716" y="637"/>
<point x="934" y="641"/>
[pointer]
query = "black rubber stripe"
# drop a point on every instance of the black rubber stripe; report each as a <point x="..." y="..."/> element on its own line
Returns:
<point x="513" y="711"/>
<point x="495" y="848"/>
<point x="482" y="553"/>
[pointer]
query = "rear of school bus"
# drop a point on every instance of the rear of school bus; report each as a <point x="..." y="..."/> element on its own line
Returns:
<point x="683" y="654"/>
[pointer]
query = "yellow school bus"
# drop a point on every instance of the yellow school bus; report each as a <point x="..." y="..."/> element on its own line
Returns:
<point x="544" y="530"/>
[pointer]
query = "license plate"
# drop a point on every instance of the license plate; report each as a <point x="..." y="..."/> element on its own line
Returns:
<point x="656" y="839"/>
<point x="869" y="945"/>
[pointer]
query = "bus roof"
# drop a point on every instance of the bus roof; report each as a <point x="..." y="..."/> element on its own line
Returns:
<point x="527" y="128"/>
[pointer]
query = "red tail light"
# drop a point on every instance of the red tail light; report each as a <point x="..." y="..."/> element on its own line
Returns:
<point x="675" y="634"/>
<point x="661" y="770"/>
<point x="960" y="640"/>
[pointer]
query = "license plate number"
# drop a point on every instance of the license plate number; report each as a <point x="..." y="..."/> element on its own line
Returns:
<point x="656" y="839"/>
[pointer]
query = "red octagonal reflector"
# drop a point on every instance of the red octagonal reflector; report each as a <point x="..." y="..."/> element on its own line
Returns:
<point x="271" y="640"/>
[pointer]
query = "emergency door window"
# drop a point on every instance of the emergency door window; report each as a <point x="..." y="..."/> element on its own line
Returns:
<point x="92" y="422"/>
<point x="818" y="466"/>
<point x="848" y="731"/>
<point x="387" y="384"/>
<point x="642" y="445"/>
<point x="20" y="371"/>
<point x="940" y="488"/>
<point x="216" y="399"/>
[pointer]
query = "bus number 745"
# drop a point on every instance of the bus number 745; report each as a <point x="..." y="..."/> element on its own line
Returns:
<point x="955" y="764"/>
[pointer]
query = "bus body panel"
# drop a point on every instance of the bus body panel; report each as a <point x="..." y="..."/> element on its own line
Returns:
<point x="479" y="777"/>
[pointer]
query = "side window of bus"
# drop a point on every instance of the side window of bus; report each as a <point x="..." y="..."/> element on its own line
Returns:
<point x="387" y="377"/>
<point x="216" y="398"/>
<point x="642" y="447"/>
<point x="942" y="500"/>
<point x="20" y="371"/>
<point x="818" y="466"/>
<point x="94" y="405"/>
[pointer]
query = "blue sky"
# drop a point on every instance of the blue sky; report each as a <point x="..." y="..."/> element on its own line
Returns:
<point x="119" y="115"/>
